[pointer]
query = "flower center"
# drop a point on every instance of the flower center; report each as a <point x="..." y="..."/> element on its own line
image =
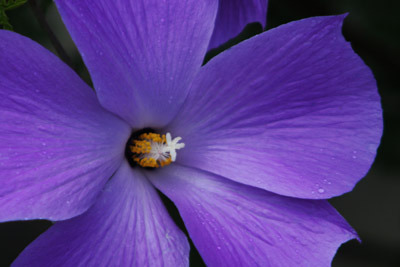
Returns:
<point x="152" y="150"/>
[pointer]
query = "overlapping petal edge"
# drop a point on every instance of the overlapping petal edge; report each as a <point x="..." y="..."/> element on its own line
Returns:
<point x="293" y="111"/>
<point x="233" y="16"/>
<point x="232" y="224"/>
<point x="127" y="226"/>
<point x="336" y="229"/>
<point x="58" y="145"/>
<point x="141" y="55"/>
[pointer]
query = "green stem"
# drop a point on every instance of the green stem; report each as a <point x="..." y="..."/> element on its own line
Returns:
<point x="53" y="39"/>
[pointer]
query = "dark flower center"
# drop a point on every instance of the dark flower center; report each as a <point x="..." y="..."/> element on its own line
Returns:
<point x="148" y="149"/>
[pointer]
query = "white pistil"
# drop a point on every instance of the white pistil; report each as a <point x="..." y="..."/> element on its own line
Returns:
<point x="172" y="146"/>
<point x="154" y="151"/>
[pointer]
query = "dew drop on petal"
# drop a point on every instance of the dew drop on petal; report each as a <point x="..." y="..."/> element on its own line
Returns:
<point x="321" y="190"/>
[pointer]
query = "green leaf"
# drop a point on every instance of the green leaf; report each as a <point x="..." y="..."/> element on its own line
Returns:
<point x="10" y="4"/>
<point x="4" y="24"/>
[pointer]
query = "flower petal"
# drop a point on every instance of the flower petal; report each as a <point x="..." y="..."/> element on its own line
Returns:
<point x="234" y="15"/>
<point x="127" y="226"/>
<point x="232" y="224"/>
<point x="58" y="145"/>
<point x="142" y="55"/>
<point x="294" y="111"/>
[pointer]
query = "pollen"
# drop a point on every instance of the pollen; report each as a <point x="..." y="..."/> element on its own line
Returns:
<point x="153" y="150"/>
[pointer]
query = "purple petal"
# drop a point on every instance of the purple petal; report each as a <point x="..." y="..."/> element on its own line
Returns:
<point x="237" y="225"/>
<point x="142" y="55"/>
<point x="127" y="226"/>
<point x="294" y="111"/>
<point x="58" y="145"/>
<point x="234" y="15"/>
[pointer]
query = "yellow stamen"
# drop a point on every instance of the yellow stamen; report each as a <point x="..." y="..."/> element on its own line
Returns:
<point x="154" y="150"/>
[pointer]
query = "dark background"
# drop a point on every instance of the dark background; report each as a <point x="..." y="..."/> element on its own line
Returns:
<point x="372" y="208"/>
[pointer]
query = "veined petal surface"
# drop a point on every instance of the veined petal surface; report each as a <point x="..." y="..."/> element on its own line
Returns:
<point x="127" y="226"/>
<point x="293" y="110"/>
<point x="142" y="55"/>
<point x="58" y="145"/>
<point x="234" y="15"/>
<point x="232" y="224"/>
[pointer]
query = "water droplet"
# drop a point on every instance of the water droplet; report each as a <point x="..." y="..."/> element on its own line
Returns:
<point x="354" y="157"/>
<point x="321" y="190"/>
<point x="219" y="248"/>
<point x="167" y="236"/>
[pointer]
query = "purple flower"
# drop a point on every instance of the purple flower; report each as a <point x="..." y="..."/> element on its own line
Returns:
<point x="272" y="127"/>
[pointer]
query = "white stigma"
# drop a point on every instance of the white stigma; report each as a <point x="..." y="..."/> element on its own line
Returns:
<point x="172" y="146"/>
<point x="162" y="152"/>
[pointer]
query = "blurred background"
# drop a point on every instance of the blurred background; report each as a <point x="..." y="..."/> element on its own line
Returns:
<point x="373" y="207"/>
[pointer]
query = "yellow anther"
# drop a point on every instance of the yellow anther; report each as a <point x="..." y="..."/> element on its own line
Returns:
<point x="165" y="163"/>
<point x="148" y="162"/>
<point x="153" y="137"/>
<point x="141" y="147"/>
<point x="153" y="150"/>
